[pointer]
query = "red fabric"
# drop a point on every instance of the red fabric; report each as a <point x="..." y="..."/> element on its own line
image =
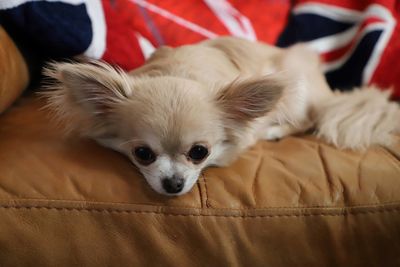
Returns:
<point x="125" y="19"/>
<point x="174" y="23"/>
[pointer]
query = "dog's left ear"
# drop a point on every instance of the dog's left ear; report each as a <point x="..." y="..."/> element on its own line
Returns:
<point x="249" y="99"/>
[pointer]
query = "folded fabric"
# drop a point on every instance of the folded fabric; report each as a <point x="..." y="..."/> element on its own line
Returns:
<point x="359" y="41"/>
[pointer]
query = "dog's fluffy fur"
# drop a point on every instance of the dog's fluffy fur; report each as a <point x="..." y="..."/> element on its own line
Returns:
<point x="225" y="94"/>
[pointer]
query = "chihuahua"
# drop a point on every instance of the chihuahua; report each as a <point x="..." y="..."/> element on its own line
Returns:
<point x="198" y="105"/>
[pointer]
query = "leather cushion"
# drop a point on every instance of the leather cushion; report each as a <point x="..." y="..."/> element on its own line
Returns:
<point x="14" y="75"/>
<point x="68" y="201"/>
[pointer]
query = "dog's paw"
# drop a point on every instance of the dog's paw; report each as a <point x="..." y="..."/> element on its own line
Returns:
<point x="275" y="133"/>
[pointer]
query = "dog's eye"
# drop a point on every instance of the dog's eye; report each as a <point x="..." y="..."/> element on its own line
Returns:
<point x="145" y="155"/>
<point x="197" y="153"/>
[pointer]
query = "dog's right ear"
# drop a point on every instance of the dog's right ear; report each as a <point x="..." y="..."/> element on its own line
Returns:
<point x="94" y="86"/>
<point x="85" y="91"/>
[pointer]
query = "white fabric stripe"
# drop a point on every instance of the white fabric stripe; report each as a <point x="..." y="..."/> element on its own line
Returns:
<point x="325" y="44"/>
<point x="329" y="11"/>
<point x="145" y="45"/>
<point x="98" y="45"/>
<point x="237" y="24"/>
<point x="13" y="3"/>
<point x="178" y="20"/>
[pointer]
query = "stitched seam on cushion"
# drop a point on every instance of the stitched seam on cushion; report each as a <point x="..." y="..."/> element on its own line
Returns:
<point x="200" y="193"/>
<point x="256" y="177"/>
<point x="158" y="205"/>
<point x="374" y="206"/>
<point x="194" y="207"/>
<point x="110" y="211"/>
<point x="359" y="169"/>
<point x="208" y="205"/>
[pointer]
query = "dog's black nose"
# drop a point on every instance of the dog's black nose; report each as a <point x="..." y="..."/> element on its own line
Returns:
<point x="173" y="185"/>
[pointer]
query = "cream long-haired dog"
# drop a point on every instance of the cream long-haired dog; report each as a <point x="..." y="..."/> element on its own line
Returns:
<point x="199" y="105"/>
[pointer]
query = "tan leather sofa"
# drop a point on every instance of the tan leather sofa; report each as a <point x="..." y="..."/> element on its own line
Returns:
<point x="296" y="202"/>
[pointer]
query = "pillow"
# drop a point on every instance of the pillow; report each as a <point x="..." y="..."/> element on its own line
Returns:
<point x="357" y="40"/>
<point x="125" y="32"/>
<point x="14" y="76"/>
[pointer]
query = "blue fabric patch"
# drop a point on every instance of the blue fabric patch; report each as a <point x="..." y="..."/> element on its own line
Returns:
<point x="56" y="29"/>
<point x="307" y="27"/>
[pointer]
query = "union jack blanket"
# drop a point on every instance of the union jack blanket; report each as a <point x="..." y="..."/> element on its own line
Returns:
<point x="359" y="41"/>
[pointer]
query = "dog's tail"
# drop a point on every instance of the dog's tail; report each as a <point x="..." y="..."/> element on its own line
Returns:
<point x="358" y="119"/>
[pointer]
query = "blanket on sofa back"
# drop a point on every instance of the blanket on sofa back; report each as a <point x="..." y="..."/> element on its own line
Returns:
<point x="359" y="41"/>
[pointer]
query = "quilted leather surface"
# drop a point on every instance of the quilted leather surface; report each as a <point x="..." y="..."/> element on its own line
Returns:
<point x="296" y="202"/>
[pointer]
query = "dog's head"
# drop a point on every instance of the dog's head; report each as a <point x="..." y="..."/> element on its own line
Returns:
<point x="170" y="128"/>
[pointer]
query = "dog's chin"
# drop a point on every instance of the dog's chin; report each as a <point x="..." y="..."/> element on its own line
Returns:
<point x="183" y="192"/>
<point x="163" y="192"/>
